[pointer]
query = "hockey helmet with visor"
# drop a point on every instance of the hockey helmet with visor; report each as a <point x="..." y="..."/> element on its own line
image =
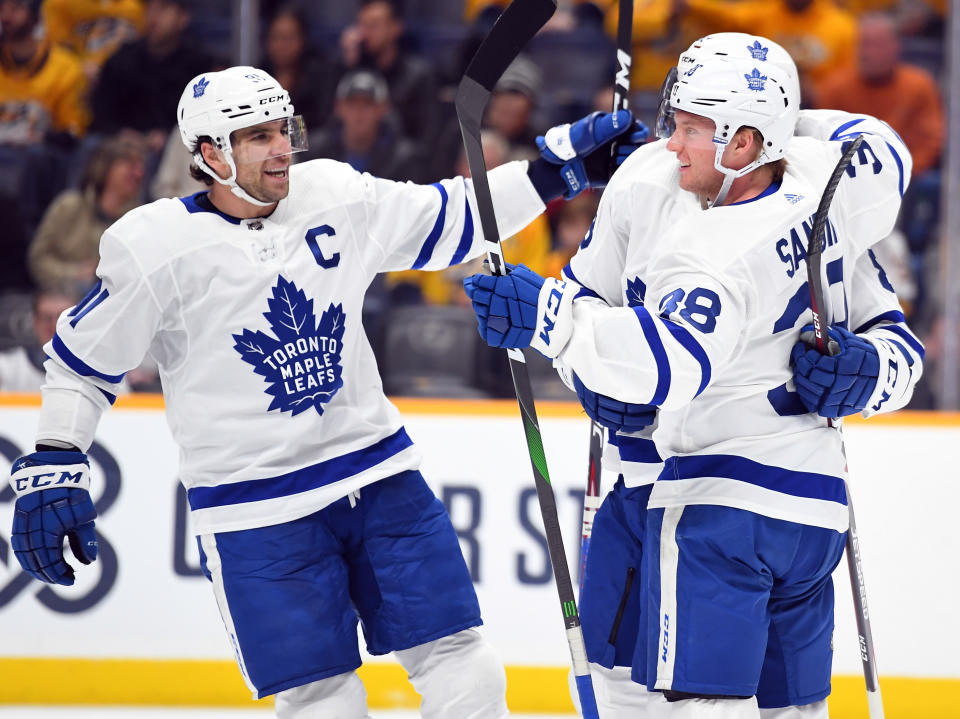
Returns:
<point x="736" y="80"/>
<point x="214" y="105"/>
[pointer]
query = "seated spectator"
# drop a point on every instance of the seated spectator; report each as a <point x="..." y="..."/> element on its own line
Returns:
<point x="172" y="177"/>
<point x="307" y="76"/>
<point x="819" y="35"/>
<point x="908" y="99"/>
<point x="41" y="86"/>
<point x="373" y="42"/>
<point x="66" y="247"/>
<point x="92" y="29"/>
<point x="140" y="84"/>
<point x="511" y="108"/>
<point x="21" y="368"/>
<point x="881" y="84"/>
<point x="362" y="134"/>
<point x="572" y="221"/>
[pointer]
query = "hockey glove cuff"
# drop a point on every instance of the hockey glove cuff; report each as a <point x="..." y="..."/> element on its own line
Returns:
<point x="582" y="150"/>
<point x="522" y="309"/>
<point x="838" y="384"/>
<point x="53" y="502"/>
<point x="613" y="414"/>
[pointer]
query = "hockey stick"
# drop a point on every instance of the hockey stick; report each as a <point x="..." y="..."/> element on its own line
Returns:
<point x="854" y="565"/>
<point x="621" y="92"/>
<point x="513" y="29"/>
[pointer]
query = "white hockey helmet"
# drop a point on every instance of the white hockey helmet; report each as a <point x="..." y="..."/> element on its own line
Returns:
<point x="737" y="80"/>
<point x="215" y="104"/>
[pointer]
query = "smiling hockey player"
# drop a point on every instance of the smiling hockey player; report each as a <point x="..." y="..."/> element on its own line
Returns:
<point x="303" y="485"/>
<point x="686" y="320"/>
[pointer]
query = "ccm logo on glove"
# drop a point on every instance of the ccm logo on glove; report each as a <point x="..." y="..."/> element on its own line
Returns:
<point x="549" y="320"/>
<point x="26" y="478"/>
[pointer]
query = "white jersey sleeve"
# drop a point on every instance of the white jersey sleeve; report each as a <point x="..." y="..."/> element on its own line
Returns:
<point x="875" y="180"/>
<point x="430" y="227"/>
<point x="877" y="317"/>
<point x="665" y="351"/>
<point x="96" y="343"/>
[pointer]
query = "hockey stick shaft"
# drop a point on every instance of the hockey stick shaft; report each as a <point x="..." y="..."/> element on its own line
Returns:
<point x="854" y="563"/>
<point x="515" y="27"/>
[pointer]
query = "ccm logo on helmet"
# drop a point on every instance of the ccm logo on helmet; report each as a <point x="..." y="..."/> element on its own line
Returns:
<point x="274" y="98"/>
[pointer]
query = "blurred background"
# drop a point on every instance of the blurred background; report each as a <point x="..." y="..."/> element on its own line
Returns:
<point x="88" y="93"/>
<point x="89" y="88"/>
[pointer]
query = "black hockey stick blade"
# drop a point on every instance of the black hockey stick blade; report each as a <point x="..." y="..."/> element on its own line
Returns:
<point x="515" y="27"/>
<point x="815" y="247"/>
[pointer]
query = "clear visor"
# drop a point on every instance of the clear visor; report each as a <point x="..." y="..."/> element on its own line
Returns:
<point x="666" y="122"/>
<point x="268" y="140"/>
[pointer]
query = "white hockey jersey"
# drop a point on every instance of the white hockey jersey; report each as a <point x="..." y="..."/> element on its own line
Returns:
<point x="697" y="312"/>
<point x="272" y="392"/>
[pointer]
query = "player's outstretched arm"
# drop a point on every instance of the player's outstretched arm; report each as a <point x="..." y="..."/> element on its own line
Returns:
<point x="53" y="504"/>
<point x="431" y="227"/>
<point x="664" y="359"/>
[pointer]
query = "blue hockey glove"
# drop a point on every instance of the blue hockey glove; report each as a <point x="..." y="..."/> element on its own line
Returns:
<point x="583" y="148"/>
<point x="53" y="502"/>
<point x="613" y="414"/>
<point x="522" y="309"/>
<point x="839" y="384"/>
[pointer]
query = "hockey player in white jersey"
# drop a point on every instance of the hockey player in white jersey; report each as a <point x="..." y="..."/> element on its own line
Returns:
<point x="749" y="475"/>
<point x="303" y="485"/>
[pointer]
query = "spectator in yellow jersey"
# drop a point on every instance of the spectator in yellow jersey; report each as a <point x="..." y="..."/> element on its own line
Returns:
<point x="819" y="35"/>
<point x="41" y="86"/>
<point x="92" y="29"/>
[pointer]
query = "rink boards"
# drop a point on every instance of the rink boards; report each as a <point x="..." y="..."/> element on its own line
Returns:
<point x="141" y="626"/>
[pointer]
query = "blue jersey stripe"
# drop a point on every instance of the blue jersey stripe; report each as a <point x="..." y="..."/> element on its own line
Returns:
<point x="301" y="480"/>
<point x="903" y="351"/>
<point x="778" y="479"/>
<point x="648" y="325"/>
<point x="466" y="237"/>
<point x="427" y="250"/>
<point x="111" y="398"/>
<point x="907" y="337"/>
<point x="78" y="365"/>
<point x="638" y="449"/>
<point x="690" y="344"/>
<point x="895" y="316"/>
<point x="77" y="316"/>
<point x="200" y="202"/>
<point x="896" y="157"/>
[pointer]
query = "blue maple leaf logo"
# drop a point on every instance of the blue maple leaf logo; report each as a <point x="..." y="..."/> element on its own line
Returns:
<point x="636" y="291"/>
<point x="302" y="365"/>
<point x="200" y="87"/>
<point x="758" y="51"/>
<point x="756" y="81"/>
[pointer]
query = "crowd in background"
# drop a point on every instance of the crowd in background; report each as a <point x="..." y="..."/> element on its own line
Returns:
<point x="89" y="90"/>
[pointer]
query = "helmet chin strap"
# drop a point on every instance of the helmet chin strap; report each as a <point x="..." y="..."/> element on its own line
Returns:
<point x="231" y="181"/>
<point x="728" y="177"/>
